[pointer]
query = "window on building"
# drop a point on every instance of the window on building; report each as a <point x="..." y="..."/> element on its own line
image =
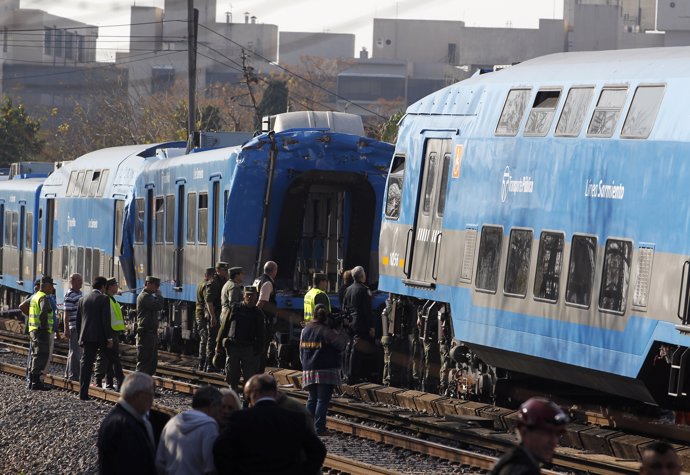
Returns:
<point x="103" y="182"/>
<point x="643" y="111"/>
<point x="549" y="263"/>
<point x="583" y="255"/>
<point x="69" y="45"/>
<point x="615" y="277"/>
<point x="191" y="217"/>
<point x="513" y="110"/>
<point x="15" y="228"/>
<point x="574" y="112"/>
<point x="394" y="188"/>
<point x="517" y="266"/>
<point x="48" y="41"/>
<point x="452" y="54"/>
<point x="542" y="113"/>
<point x="29" y="233"/>
<point x="607" y="112"/>
<point x="81" y="51"/>
<point x="489" y="258"/>
<point x="203" y="218"/>
<point x="170" y="218"/>
<point x="443" y="186"/>
<point x="160" y="218"/>
<point x="58" y="46"/>
<point x="139" y="212"/>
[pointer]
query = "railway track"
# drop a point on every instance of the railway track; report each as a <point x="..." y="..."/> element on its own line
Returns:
<point x="408" y="429"/>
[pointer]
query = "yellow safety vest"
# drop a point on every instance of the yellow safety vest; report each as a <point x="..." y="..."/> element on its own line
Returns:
<point x="117" y="322"/>
<point x="309" y="303"/>
<point x="35" y="313"/>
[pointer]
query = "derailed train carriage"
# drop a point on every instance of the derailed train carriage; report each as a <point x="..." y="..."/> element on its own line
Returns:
<point x="542" y="212"/>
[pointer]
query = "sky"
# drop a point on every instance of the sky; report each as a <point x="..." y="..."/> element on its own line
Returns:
<point x="335" y="16"/>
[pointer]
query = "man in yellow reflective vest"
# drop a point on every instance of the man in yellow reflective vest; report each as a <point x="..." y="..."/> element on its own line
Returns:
<point x="317" y="295"/>
<point x="41" y="320"/>
<point x="108" y="361"/>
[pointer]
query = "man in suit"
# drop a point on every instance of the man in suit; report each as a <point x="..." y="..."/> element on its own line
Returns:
<point x="241" y="448"/>
<point x="126" y="443"/>
<point x="93" y="326"/>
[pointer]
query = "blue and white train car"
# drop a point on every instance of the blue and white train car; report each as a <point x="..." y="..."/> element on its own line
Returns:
<point x="546" y="206"/>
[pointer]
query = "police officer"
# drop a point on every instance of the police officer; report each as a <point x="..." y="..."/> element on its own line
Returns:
<point x="267" y="304"/>
<point x="540" y="424"/>
<point x="357" y="303"/>
<point x="213" y="309"/>
<point x="149" y="305"/>
<point x="200" y="314"/>
<point x="242" y="336"/>
<point x="232" y="292"/>
<point x="41" y="320"/>
<point x="316" y="295"/>
<point x="108" y="361"/>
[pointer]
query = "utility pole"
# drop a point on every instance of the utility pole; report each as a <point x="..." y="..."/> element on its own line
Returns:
<point x="192" y="30"/>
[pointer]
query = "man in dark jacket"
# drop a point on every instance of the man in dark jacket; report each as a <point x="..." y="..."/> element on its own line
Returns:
<point x="93" y="326"/>
<point x="294" y="447"/>
<point x="149" y="305"/>
<point x="126" y="445"/>
<point x="357" y="303"/>
<point x="540" y="425"/>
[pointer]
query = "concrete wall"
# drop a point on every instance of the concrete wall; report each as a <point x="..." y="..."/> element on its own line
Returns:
<point x="294" y="45"/>
<point x="674" y="16"/>
<point x="144" y="34"/>
<point x="597" y="28"/>
<point x="630" y="11"/>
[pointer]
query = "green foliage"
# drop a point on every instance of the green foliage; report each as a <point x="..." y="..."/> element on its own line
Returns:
<point x="274" y="100"/>
<point x="388" y="131"/>
<point x="18" y="133"/>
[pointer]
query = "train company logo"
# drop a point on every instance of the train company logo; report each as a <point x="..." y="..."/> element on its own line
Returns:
<point x="508" y="185"/>
<point x="604" y="191"/>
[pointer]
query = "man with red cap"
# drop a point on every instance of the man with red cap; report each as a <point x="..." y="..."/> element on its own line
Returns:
<point x="540" y="425"/>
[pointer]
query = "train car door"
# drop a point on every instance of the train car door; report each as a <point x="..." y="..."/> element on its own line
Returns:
<point x="20" y="243"/>
<point x="428" y="234"/>
<point x="48" y="245"/>
<point x="215" y="222"/>
<point x="116" y="267"/>
<point x="149" y="230"/>
<point x="179" y="238"/>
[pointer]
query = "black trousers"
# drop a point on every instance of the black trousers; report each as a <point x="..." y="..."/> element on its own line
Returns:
<point x="88" y="357"/>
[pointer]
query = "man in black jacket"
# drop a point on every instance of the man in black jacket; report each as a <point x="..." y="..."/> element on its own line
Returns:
<point x="540" y="425"/>
<point x="242" y="447"/>
<point x="93" y="326"/>
<point x="357" y="303"/>
<point x="126" y="443"/>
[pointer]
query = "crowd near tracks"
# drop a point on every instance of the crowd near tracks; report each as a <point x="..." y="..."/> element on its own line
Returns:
<point x="469" y="443"/>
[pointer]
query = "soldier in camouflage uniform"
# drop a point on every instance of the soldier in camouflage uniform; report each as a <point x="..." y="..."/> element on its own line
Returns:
<point x="213" y="310"/>
<point x="200" y="316"/>
<point x="149" y="305"/>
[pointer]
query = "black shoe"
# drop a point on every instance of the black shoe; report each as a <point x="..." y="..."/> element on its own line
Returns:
<point x="323" y="432"/>
<point x="39" y="386"/>
<point x="85" y="398"/>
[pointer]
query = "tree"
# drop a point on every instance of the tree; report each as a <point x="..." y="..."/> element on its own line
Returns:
<point x="274" y="101"/>
<point x="18" y="133"/>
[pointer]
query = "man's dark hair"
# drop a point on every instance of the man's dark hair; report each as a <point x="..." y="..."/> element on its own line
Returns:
<point x="262" y="385"/>
<point x="320" y="313"/>
<point x="658" y="447"/>
<point x="99" y="282"/>
<point x="318" y="278"/>
<point x="206" y="396"/>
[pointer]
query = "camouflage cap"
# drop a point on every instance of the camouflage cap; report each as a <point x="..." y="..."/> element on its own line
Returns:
<point x="111" y="281"/>
<point x="235" y="270"/>
<point x="153" y="280"/>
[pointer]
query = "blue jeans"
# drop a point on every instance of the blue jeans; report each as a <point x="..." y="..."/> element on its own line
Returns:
<point x="317" y="404"/>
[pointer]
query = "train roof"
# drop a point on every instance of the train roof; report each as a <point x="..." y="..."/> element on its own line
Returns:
<point x="648" y="65"/>
<point x="24" y="184"/>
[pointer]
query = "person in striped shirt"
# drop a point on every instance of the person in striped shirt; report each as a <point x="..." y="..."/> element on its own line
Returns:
<point x="71" y="300"/>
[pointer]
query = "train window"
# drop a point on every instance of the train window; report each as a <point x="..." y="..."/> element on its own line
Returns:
<point x="549" y="263"/>
<point x="541" y="115"/>
<point x="71" y="184"/>
<point x="191" y="217"/>
<point x="87" y="183"/>
<point x="29" y="230"/>
<point x="489" y="257"/>
<point x="574" y="112"/>
<point x="39" y="237"/>
<point x="203" y="218"/>
<point x="583" y="255"/>
<point x="119" y="211"/>
<point x="96" y="262"/>
<point x="513" y="110"/>
<point x="169" y="218"/>
<point x="226" y="199"/>
<point x="443" y="186"/>
<point x="102" y="182"/>
<point x="80" y="182"/>
<point x="645" y="259"/>
<point x="8" y="227"/>
<point x="65" y="263"/>
<point x="517" y="267"/>
<point x="80" y="263"/>
<point x="615" y="277"/>
<point x="429" y="187"/>
<point x="139" y="211"/>
<point x="643" y="110"/>
<point x="15" y="228"/>
<point x="87" y="265"/>
<point x="95" y="182"/>
<point x="394" y="187"/>
<point x="72" y="260"/>
<point x="160" y="218"/>
<point x="607" y="112"/>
